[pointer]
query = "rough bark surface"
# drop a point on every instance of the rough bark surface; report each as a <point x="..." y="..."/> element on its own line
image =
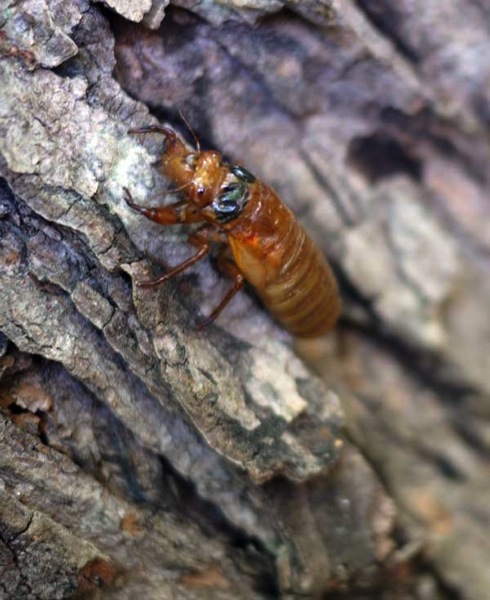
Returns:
<point x="142" y="458"/>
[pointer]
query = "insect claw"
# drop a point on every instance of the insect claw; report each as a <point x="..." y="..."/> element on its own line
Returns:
<point x="128" y="198"/>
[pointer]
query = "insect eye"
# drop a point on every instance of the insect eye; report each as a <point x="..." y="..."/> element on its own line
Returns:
<point x="242" y="174"/>
<point x="190" y="160"/>
<point x="230" y="203"/>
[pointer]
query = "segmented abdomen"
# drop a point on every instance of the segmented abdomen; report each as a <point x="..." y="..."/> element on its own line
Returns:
<point x="303" y="293"/>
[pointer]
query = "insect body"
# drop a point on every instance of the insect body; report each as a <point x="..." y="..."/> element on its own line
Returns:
<point x="261" y="240"/>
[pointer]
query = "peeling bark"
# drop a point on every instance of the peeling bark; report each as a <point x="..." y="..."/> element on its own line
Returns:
<point x="140" y="457"/>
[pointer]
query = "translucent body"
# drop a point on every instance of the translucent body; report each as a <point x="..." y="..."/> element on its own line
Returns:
<point x="262" y="241"/>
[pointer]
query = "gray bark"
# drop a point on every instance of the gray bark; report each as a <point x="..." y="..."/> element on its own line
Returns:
<point x="140" y="457"/>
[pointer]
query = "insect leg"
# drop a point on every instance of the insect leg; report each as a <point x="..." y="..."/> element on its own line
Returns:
<point x="153" y="129"/>
<point x="180" y="212"/>
<point x="173" y="144"/>
<point x="229" y="268"/>
<point x="201" y="240"/>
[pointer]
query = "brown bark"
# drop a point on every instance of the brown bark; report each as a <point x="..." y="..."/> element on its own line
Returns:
<point x="142" y="458"/>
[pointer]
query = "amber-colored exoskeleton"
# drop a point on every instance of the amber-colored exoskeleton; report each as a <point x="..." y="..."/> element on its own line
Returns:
<point x="261" y="240"/>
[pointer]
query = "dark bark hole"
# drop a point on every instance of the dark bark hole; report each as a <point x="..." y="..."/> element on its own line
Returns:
<point x="380" y="156"/>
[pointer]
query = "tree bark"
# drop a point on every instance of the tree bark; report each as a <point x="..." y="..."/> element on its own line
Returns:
<point x="142" y="458"/>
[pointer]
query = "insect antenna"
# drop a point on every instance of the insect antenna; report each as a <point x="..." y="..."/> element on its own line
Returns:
<point x="196" y="140"/>
<point x="180" y="188"/>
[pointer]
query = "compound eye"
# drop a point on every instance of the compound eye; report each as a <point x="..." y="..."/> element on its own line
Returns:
<point x="242" y="174"/>
<point x="231" y="202"/>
